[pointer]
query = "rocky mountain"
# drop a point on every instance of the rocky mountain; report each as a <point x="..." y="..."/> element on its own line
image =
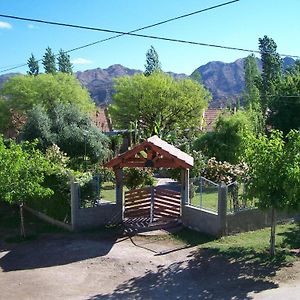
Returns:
<point x="224" y="80"/>
<point x="99" y="82"/>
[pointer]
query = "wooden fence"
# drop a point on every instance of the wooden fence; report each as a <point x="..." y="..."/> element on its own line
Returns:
<point x="153" y="203"/>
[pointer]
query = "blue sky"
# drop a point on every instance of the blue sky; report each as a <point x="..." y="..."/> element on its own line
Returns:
<point x="238" y="25"/>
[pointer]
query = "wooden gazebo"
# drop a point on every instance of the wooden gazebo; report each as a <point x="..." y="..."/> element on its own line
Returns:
<point x="152" y="153"/>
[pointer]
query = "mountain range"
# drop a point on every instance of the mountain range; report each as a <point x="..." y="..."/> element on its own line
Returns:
<point x="225" y="81"/>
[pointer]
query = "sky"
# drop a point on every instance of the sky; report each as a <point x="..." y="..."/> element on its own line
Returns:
<point x="238" y="25"/>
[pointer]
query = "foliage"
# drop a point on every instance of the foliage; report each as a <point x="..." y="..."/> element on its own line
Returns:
<point x="49" y="61"/>
<point x="158" y="102"/>
<point x="22" y="172"/>
<point x="222" y="171"/>
<point x="152" y="62"/>
<point x="274" y="170"/>
<point x="252" y="75"/>
<point x="4" y="116"/>
<point x="33" y="66"/>
<point x="24" y="92"/>
<point x="64" y="63"/>
<point x="285" y="106"/>
<point x="67" y="127"/>
<point x="274" y="173"/>
<point x="138" y="177"/>
<point x="226" y="142"/>
<point x="271" y="70"/>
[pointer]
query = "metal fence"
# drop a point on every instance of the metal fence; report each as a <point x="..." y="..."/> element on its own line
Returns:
<point x="204" y="194"/>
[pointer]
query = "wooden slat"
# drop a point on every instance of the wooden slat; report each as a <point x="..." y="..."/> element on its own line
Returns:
<point x="144" y="206"/>
<point x="137" y="198"/>
<point x="167" y="192"/>
<point x="137" y="190"/>
<point x="137" y="214"/>
<point x="158" y="207"/>
<point x="137" y="201"/>
<point x="165" y="214"/>
<point x="168" y="200"/>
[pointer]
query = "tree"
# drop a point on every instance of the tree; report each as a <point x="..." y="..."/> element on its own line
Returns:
<point x="158" y="102"/>
<point x="252" y="75"/>
<point x="271" y="70"/>
<point x="285" y="107"/>
<point x="274" y="173"/>
<point x="64" y="63"/>
<point x="152" y="62"/>
<point x="22" y="172"/>
<point x="33" y="66"/>
<point x="225" y="143"/>
<point x="23" y="92"/>
<point x="73" y="132"/>
<point x="49" y="61"/>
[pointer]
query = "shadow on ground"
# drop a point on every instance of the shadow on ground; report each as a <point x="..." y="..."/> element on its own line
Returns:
<point x="206" y="274"/>
<point x="56" y="250"/>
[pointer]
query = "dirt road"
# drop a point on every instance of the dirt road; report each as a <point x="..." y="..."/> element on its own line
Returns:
<point x="93" y="267"/>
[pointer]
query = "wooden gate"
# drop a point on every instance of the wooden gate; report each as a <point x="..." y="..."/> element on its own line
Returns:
<point x="153" y="203"/>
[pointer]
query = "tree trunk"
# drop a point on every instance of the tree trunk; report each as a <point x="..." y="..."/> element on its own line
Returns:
<point x="273" y="225"/>
<point x="23" y="234"/>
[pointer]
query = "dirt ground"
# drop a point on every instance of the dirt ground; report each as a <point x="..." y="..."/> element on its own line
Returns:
<point x="69" y="266"/>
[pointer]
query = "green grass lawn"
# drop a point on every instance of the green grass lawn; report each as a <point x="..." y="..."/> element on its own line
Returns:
<point x="248" y="245"/>
<point x="210" y="198"/>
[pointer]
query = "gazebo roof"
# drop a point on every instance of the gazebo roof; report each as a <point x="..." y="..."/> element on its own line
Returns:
<point x="155" y="153"/>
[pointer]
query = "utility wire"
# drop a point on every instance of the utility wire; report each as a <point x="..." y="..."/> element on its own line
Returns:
<point x="121" y="33"/>
<point x="109" y="38"/>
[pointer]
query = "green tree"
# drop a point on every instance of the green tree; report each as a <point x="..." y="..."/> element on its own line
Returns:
<point x="64" y="63"/>
<point x="49" y="61"/>
<point x="158" y="102"/>
<point x="271" y="71"/>
<point x="22" y="173"/>
<point x="285" y="107"/>
<point x="152" y="62"/>
<point x="274" y="173"/>
<point x="33" y="66"/>
<point x="252" y="75"/>
<point x="23" y="92"/>
<point x="225" y="143"/>
<point x="73" y="132"/>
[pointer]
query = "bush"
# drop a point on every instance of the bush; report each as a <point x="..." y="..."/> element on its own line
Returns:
<point x="138" y="178"/>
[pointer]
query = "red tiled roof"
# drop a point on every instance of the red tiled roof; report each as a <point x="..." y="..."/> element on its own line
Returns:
<point x="210" y="117"/>
<point x="101" y="120"/>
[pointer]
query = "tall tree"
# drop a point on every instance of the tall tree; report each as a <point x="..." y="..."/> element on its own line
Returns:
<point x="285" y="107"/>
<point x="274" y="173"/>
<point x="271" y="70"/>
<point x="252" y="75"/>
<point x="64" y="63"/>
<point x="49" y="61"/>
<point x="70" y="129"/>
<point x="152" y="62"/>
<point x="33" y="66"/>
<point x="22" y="172"/>
<point x="160" y="103"/>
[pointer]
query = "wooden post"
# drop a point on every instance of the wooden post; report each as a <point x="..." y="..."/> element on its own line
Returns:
<point x="119" y="189"/>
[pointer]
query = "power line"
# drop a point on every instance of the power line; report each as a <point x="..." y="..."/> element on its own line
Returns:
<point x="109" y="38"/>
<point x="131" y="33"/>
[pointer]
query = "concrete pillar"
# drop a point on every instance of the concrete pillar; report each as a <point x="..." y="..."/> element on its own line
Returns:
<point x="119" y="189"/>
<point x="185" y="187"/>
<point x="222" y="207"/>
<point x="75" y="204"/>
